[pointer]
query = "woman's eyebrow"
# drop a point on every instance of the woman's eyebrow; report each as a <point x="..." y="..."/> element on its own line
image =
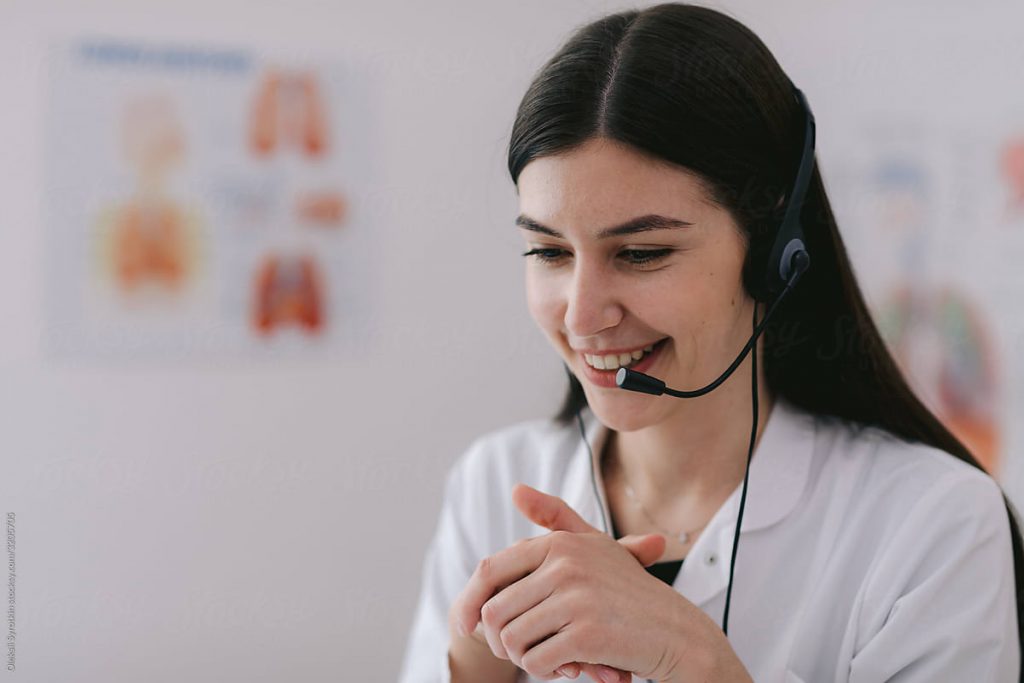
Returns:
<point x="634" y="225"/>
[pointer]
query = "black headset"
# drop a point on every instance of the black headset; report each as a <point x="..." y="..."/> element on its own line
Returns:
<point x="787" y="261"/>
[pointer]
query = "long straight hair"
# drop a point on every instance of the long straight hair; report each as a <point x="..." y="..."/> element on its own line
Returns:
<point x="695" y="88"/>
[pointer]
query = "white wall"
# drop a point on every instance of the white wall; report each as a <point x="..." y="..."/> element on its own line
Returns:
<point x="265" y="521"/>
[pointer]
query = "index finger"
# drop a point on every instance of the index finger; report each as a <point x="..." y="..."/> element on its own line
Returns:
<point x="495" y="572"/>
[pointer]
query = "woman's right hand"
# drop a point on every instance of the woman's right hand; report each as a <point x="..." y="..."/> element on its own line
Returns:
<point x="640" y="547"/>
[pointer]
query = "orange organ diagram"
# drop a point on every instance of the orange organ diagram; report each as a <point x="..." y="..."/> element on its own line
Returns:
<point x="288" y="291"/>
<point x="321" y="208"/>
<point x="150" y="238"/>
<point x="149" y="245"/>
<point x="1012" y="165"/>
<point x="940" y="341"/>
<point x="288" y="109"/>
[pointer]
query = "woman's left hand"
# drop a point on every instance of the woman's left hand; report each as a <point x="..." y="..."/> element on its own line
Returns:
<point x="577" y="595"/>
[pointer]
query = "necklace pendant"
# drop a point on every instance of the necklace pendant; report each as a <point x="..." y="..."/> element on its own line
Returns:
<point x="684" y="538"/>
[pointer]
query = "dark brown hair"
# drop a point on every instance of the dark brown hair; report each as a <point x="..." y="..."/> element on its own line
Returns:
<point x="693" y="87"/>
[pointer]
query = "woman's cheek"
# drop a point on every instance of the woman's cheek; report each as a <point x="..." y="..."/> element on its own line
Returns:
<point x="545" y="303"/>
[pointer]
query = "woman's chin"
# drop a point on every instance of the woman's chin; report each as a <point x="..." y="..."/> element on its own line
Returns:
<point x="626" y="413"/>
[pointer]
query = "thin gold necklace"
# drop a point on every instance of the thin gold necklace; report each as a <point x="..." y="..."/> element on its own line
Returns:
<point x="683" y="536"/>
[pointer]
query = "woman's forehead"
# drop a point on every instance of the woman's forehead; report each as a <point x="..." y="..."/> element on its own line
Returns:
<point x="605" y="184"/>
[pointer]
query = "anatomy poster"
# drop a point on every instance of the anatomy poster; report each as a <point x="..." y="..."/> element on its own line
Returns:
<point x="935" y="222"/>
<point x="200" y="201"/>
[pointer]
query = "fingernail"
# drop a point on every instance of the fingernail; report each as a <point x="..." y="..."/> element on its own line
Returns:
<point x="568" y="671"/>
<point x="461" y="629"/>
<point x="607" y="675"/>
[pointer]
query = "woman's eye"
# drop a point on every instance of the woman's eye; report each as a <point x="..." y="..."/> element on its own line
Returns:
<point x="642" y="256"/>
<point x="637" y="257"/>
<point x="546" y="255"/>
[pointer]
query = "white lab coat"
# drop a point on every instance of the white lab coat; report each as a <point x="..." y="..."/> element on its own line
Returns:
<point x="862" y="558"/>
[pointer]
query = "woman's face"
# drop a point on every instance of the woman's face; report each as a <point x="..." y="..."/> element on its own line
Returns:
<point x="676" y="284"/>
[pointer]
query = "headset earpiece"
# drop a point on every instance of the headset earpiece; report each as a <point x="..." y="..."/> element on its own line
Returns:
<point x="789" y="257"/>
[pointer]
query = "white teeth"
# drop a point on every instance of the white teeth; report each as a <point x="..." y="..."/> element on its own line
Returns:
<point x="616" y="361"/>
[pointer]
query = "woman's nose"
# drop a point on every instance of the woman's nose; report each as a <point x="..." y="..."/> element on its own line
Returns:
<point x="591" y="305"/>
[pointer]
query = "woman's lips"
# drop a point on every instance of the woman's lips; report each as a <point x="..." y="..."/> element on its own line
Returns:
<point x="606" y="378"/>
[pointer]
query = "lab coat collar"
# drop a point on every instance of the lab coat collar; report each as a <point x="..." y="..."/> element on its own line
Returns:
<point x="778" y="474"/>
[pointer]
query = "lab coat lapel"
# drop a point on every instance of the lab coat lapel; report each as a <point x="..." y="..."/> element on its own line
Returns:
<point x="778" y="475"/>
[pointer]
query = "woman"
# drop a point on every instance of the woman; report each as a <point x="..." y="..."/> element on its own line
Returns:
<point x="654" y="156"/>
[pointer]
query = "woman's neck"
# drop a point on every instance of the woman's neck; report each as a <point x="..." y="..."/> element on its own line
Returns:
<point x="683" y="468"/>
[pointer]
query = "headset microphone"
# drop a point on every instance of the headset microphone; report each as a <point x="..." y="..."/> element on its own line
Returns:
<point x="787" y="261"/>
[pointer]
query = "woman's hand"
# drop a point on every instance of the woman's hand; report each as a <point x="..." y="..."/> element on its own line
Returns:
<point x="578" y="597"/>
<point x="646" y="549"/>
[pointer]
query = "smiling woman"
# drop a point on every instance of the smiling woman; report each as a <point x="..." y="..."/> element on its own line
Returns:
<point x="654" y="156"/>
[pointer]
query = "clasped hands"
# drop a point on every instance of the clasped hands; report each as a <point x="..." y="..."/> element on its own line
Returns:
<point x="578" y="601"/>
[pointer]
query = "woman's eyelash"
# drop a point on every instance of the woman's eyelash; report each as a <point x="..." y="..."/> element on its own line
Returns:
<point x="634" y="256"/>
<point x="545" y="255"/>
